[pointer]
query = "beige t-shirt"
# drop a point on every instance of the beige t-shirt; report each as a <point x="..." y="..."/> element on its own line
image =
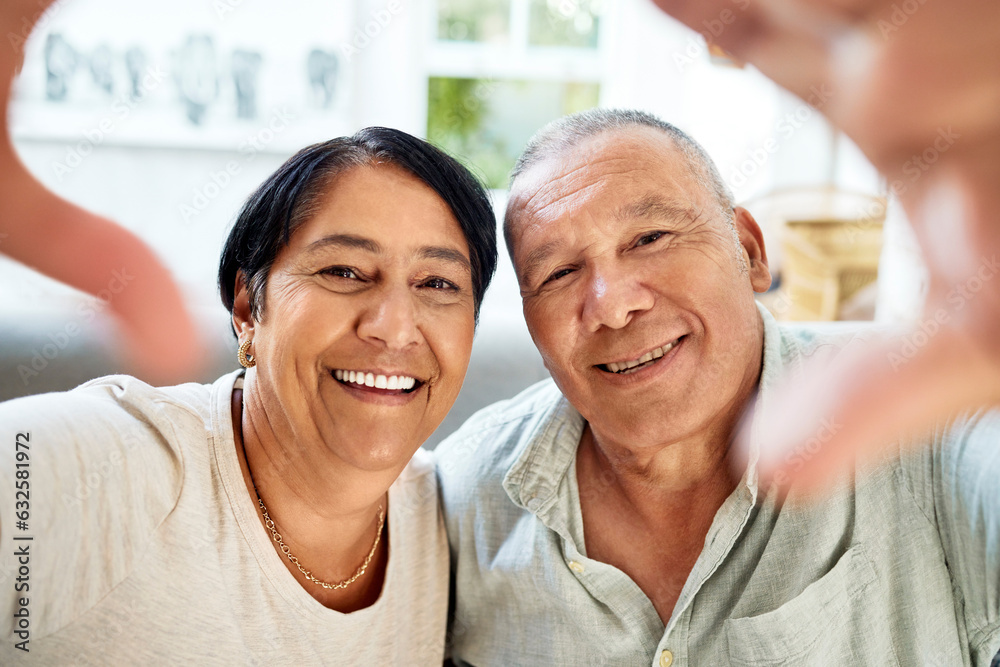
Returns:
<point x="146" y="547"/>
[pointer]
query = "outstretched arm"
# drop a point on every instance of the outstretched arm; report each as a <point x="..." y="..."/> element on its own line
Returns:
<point x="916" y="85"/>
<point x="87" y="251"/>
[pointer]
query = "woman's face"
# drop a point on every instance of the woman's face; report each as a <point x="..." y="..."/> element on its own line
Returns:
<point x="375" y="289"/>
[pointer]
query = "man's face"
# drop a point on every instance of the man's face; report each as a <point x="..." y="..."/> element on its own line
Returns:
<point x="634" y="289"/>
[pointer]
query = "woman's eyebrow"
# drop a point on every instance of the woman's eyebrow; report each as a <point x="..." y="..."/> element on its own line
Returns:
<point x="445" y="254"/>
<point x="345" y="241"/>
<point x="440" y="253"/>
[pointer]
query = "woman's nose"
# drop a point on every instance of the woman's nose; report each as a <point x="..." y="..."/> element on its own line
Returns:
<point x="391" y="321"/>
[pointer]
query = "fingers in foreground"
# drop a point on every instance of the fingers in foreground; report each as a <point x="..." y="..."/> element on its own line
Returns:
<point x="864" y="401"/>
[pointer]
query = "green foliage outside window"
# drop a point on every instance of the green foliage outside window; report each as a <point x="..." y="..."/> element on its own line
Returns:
<point x="474" y="20"/>
<point x="564" y="23"/>
<point x="487" y="123"/>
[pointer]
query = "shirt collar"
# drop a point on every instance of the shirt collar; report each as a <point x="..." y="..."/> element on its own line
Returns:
<point x="533" y="480"/>
<point x="771" y="370"/>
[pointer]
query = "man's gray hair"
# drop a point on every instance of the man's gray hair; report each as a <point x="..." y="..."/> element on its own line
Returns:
<point x="567" y="132"/>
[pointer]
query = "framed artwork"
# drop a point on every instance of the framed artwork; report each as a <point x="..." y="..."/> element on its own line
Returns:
<point x="188" y="74"/>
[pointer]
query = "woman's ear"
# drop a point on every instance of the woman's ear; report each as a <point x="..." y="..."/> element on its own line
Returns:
<point x="243" y="323"/>
<point x="752" y="240"/>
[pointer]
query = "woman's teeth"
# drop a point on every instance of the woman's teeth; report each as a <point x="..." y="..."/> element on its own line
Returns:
<point x="390" y="382"/>
<point x="619" y="367"/>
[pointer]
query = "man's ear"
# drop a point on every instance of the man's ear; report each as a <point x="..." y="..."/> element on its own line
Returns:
<point x="243" y="323"/>
<point x="752" y="240"/>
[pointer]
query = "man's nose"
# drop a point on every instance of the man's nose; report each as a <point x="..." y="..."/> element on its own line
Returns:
<point x="391" y="320"/>
<point x="612" y="298"/>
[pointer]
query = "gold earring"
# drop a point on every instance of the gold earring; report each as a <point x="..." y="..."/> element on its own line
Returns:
<point x="246" y="360"/>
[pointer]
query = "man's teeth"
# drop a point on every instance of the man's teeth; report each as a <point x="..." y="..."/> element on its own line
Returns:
<point x="618" y="367"/>
<point x="390" y="382"/>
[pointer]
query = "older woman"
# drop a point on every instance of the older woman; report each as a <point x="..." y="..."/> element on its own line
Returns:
<point x="280" y="514"/>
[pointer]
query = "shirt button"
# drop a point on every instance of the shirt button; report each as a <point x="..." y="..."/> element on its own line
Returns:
<point x="666" y="659"/>
<point x="576" y="567"/>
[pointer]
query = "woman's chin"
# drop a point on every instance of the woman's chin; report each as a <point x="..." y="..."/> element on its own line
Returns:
<point x="379" y="452"/>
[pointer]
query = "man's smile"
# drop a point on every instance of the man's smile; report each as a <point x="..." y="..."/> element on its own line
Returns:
<point x="644" y="360"/>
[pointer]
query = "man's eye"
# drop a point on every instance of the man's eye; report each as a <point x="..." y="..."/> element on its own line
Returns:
<point x="558" y="274"/>
<point x="340" y="272"/>
<point x="648" y="238"/>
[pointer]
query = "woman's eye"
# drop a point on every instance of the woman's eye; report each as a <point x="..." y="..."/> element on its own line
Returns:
<point x="439" y="283"/>
<point x="340" y="272"/>
<point x="648" y="238"/>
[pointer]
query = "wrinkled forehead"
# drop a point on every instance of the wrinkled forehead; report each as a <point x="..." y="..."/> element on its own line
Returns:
<point x="601" y="171"/>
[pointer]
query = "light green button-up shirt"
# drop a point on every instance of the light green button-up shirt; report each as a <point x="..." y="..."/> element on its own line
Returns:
<point x="899" y="566"/>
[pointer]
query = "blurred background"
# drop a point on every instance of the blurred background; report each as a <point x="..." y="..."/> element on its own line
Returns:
<point x="165" y="116"/>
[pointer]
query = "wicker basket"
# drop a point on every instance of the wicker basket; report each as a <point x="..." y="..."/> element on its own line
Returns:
<point x="826" y="262"/>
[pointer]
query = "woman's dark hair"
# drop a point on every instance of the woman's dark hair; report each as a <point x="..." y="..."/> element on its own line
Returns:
<point x="294" y="193"/>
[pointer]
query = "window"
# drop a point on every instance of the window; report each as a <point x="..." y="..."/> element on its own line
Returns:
<point x="488" y="122"/>
<point x="484" y="21"/>
<point x="572" y="23"/>
<point x="498" y="70"/>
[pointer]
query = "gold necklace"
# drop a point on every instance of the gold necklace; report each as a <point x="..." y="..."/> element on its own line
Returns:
<point x="294" y="559"/>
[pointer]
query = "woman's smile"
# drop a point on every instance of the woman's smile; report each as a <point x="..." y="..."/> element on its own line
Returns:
<point x="380" y="381"/>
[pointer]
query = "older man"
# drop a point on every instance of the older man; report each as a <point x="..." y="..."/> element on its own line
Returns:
<point x="595" y="518"/>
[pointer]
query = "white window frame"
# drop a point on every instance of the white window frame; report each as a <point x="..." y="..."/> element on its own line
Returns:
<point x="516" y="59"/>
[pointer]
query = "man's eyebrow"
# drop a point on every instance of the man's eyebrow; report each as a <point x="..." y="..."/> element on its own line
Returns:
<point x="345" y="241"/>
<point x="651" y="206"/>
<point x="445" y="255"/>
<point x="656" y="207"/>
<point x="536" y="258"/>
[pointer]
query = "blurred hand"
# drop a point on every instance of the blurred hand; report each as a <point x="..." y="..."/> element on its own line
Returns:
<point x="86" y="251"/>
<point x="916" y="85"/>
